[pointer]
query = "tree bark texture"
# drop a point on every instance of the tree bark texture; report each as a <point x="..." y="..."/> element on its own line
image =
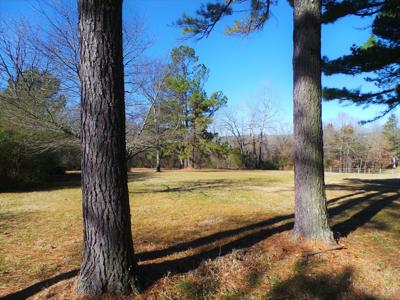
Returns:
<point x="311" y="219"/>
<point x="108" y="264"/>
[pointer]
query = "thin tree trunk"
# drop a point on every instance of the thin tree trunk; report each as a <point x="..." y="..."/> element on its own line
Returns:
<point x="311" y="218"/>
<point x="108" y="259"/>
<point x="188" y="163"/>
<point x="260" y="146"/>
<point x="242" y="154"/>
<point x="157" y="132"/>
<point x="158" y="160"/>
<point x="254" y="150"/>
<point x="192" y="157"/>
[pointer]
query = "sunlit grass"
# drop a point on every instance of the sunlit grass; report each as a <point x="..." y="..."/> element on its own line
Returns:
<point x="41" y="234"/>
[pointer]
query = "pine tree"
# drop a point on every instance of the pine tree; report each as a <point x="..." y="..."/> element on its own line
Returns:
<point x="391" y="131"/>
<point x="379" y="55"/>
<point x="193" y="107"/>
<point x="108" y="260"/>
<point x="311" y="219"/>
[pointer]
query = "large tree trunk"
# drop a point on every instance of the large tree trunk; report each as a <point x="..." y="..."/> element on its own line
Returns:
<point x="108" y="259"/>
<point x="311" y="219"/>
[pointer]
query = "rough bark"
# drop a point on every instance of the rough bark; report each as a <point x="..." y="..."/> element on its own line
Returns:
<point x="108" y="264"/>
<point x="311" y="219"/>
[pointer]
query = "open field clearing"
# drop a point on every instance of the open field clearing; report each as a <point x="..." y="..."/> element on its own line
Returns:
<point x="213" y="235"/>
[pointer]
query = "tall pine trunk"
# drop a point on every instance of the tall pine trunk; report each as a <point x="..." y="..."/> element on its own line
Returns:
<point x="108" y="260"/>
<point x="311" y="218"/>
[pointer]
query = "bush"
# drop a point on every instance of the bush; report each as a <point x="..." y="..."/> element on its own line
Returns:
<point x="20" y="165"/>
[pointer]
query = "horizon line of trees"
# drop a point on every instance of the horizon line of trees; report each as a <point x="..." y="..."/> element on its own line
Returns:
<point x="170" y="119"/>
<point x="41" y="73"/>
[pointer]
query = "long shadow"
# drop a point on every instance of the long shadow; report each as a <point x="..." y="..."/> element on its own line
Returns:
<point x="155" y="271"/>
<point x="336" y="199"/>
<point x="208" y="239"/>
<point x="190" y="186"/>
<point x="37" y="287"/>
<point x="60" y="181"/>
<point x="387" y="185"/>
<point x="318" y="286"/>
<point x="149" y="255"/>
<point x="363" y="216"/>
<point x="65" y="181"/>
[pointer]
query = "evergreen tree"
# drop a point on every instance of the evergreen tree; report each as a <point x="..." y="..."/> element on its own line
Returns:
<point x="33" y="101"/>
<point x="192" y="107"/>
<point x="108" y="264"/>
<point x="311" y="219"/>
<point x="379" y="55"/>
<point x="33" y="127"/>
<point x="391" y="131"/>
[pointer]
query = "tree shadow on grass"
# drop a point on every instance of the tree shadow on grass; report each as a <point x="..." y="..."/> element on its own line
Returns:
<point x="57" y="182"/>
<point x="66" y="181"/>
<point x="249" y="236"/>
<point x="37" y="287"/>
<point x="188" y="186"/>
<point x="210" y="184"/>
<point x="155" y="271"/>
<point x="330" y="286"/>
<point x="387" y="185"/>
<point x="364" y="216"/>
<point x="149" y="255"/>
<point x="345" y="228"/>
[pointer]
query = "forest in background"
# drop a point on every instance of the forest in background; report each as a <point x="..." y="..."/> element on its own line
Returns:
<point x="171" y="121"/>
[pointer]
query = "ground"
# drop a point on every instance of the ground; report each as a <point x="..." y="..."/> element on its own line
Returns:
<point x="212" y="235"/>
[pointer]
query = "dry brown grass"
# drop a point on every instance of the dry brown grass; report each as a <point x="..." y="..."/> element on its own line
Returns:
<point x="214" y="235"/>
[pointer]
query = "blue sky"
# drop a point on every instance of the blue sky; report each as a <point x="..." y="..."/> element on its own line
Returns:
<point x="242" y="67"/>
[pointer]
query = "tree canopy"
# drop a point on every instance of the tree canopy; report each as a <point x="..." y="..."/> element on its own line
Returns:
<point x="253" y="14"/>
<point x="391" y="131"/>
<point x="378" y="58"/>
<point x="191" y="105"/>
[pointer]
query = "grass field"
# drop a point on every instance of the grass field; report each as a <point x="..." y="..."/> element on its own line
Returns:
<point x="212" y="235"/>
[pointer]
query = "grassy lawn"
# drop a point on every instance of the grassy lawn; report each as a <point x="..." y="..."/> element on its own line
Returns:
<point x="213" y="235"/>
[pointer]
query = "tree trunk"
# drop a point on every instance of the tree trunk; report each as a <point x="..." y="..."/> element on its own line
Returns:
<point x="254" y="150"/>
<point x="260" y="151"/>
<point x="108" y="259"/>
<point x="311" y="219"/>
<point x="158" y="160"/>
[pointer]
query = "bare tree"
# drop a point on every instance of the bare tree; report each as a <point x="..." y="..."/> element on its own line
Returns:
<point x="160" y="126"/>
<point x="235" y="127"/>
<point x="55" y="52"/>
<point x="30" y="96"/>
<point x="263" y="120"/>
<point x="59" y="44"/>
<point x="250" y="130"/>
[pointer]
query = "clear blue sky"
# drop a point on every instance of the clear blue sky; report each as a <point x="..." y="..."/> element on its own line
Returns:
<point x="241" y="67"/>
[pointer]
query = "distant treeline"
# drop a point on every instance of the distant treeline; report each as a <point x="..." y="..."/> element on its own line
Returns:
<point x="171" y="121"/>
